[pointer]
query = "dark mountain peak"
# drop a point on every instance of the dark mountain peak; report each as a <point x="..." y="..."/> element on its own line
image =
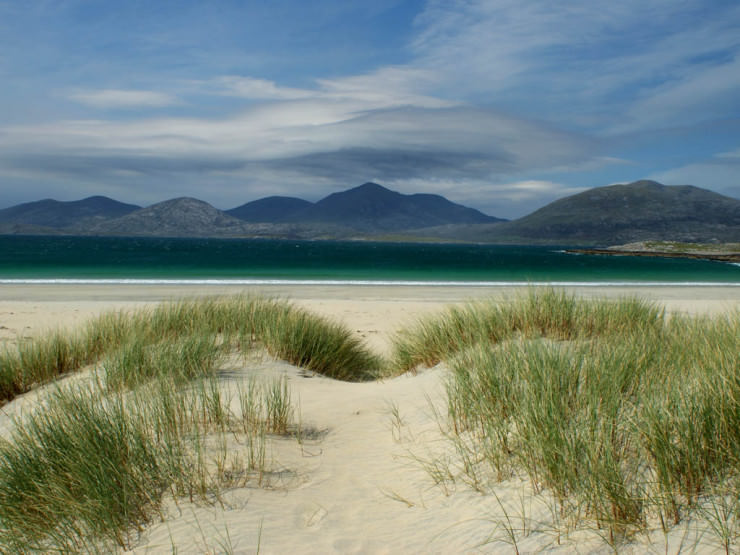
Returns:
<point x="100" y="200"/>
<point x="269" y="209"/>
<point x="370" y="187"/>
<point x="375" y="209"/>
<point x="367" y="192"/>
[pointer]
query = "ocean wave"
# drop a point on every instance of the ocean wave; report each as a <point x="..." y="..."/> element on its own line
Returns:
<point x="318" y="282"/>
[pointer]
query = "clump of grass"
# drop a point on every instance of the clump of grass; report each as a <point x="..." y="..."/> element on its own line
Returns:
<point x="36" y="362"/>
<point x="91" y="469"/>
<point x="180" y="359"/>
<point x="542" y="313"/>
<point x="91" y="465"/>
<point x="239" y="322"/>
<point x="621" y="427"/>
<point x="76" y="470"/>
<point x="312" y="342"/>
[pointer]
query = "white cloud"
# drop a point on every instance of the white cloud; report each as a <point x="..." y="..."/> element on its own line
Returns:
<point x="303" y="128"/>
<point x="593" y="64"/>
<point x="707" y="93"/>
<point x="484" y="100"/>
<point x="317" y="144"/>
<point x="729" y="155"/>
<point x="385" y="87"/>
<point x="116" y="98"/>
<point x="259" y="89"/>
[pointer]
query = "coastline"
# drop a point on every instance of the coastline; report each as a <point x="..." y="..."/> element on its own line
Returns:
<point x="615" y="251"/>
<point x="718" y="252"/>
<point x="373" y="312"/>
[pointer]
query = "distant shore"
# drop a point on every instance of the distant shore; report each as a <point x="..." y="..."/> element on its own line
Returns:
<point x="720" y="252"/>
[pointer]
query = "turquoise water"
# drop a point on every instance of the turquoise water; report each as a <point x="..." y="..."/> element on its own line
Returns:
<point x="53" y="259"/>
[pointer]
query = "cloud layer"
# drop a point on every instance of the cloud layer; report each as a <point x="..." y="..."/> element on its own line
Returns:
<point x="500" y="104"/>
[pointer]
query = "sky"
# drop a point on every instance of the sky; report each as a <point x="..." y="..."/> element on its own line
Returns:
<point x="502" y="105"/>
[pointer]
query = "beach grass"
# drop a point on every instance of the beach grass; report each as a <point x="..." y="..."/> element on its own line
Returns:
<point x="219" y="324"/>
<point x="623" y="416"/>
<point x="540" y="313"/>
<point x="91" y="465"/>
<point x="90" y="468"/>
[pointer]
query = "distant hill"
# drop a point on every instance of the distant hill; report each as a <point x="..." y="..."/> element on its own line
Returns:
<point x="355" y="213"/>
<point x="189" y="217"/>
<point x="373" y="208"/>
<point x="56" y="214"/>
<point x="269" y="209"/>
<point x="616" y="214"/>
<point x="180" y="217"/>
<point x="637" y="211"/>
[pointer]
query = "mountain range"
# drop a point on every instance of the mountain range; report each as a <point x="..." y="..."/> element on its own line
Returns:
<point x="643" y="210"/>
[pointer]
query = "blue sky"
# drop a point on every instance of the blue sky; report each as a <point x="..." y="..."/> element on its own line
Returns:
<point x="503" y="105"/>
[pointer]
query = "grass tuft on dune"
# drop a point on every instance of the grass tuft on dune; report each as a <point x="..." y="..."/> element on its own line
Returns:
<point x="91" y="464"/>
<point x="623" y="416"/>
<point x="541" y="313"/>
<point x="90" y="468"/>
<point x="229" y="323"/>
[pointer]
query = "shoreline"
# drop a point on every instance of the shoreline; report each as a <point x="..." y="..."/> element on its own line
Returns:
<point x="373" y="312"/>
<point x="717" y="257"/>
<point x="112" y="289"/>
<point x="360" y="283"/>
<point x="128" y="292"/>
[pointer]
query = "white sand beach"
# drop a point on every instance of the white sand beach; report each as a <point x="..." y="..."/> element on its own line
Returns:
<point x="360" y="485"/>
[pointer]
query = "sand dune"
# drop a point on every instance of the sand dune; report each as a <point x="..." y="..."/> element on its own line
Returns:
<point x="361" y="481"/>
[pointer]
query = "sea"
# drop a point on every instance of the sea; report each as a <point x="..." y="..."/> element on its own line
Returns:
<point x="91" y="260"/>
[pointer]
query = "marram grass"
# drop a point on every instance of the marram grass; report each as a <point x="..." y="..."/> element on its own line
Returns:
<point x="541" y="313"/>
<point x="623" y="416"/>
<point x="285" y="330"/>
<point x="89" y="470"/>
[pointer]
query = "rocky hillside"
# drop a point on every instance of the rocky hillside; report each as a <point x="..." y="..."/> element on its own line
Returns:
<point x="616" y="214"/>
<point x="637" y="211"/>
<point x="180" y="217"/>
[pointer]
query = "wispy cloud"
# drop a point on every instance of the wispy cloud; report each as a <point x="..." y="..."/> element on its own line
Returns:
<point x="733" y="155"/>
<point x="586" y="62"/>
<point x="316" y="138"/>
<point x="259" y="89"/>
<point x="501" y="104"/>
<point x="113" y="98"/>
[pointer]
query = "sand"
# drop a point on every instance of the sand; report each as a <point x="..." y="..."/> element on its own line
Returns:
<point x="362" y="485"/>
